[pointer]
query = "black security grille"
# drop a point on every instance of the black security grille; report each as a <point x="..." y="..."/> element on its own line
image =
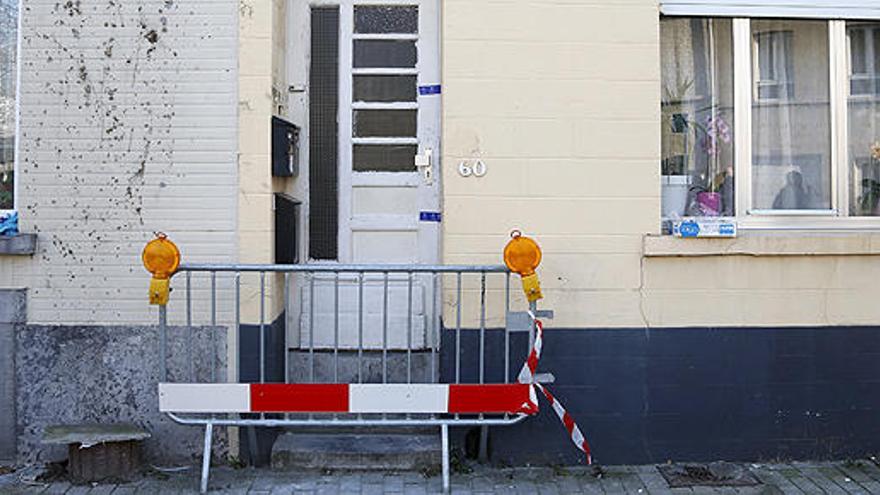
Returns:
<point x="323" y="135"/>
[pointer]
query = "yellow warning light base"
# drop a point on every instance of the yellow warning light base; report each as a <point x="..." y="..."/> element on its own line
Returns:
<point x="532" y="287"/>
<point x="159" y="290"/>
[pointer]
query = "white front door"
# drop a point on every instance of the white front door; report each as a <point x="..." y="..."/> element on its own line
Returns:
<point x="388" y="174"/>
<point x="389" y="120"/>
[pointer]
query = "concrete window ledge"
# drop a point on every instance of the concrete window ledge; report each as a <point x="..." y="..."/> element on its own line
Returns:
<point x="766" y="244"/>
<point x="21" y="244"/>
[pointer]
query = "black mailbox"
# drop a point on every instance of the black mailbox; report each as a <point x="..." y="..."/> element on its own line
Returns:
<point x="285" y="148"/>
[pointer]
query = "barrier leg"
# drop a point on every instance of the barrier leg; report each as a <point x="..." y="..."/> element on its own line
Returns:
<point x="206" y="456"/>
<point x="444" y="441"/>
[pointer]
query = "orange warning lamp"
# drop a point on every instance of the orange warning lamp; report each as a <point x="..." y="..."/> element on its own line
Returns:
<point x="522" y="255"/>
<point x="161" y="258"/>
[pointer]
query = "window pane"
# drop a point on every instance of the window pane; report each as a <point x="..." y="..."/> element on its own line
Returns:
<point x="857" y="49"/>
<point x="386" y="19"/>
<point x="384" y="53"/>
<point x="384" y="158"/>
<point x="697" y="117"/>
<point x="384" y="88"/>
<point x="864" y="127"/>
<point x="385" y="123"/>
<point x="8" y="37"/>
<point x="791" y="137"/>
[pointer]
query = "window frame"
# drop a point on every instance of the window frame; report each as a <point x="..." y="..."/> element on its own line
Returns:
<point x="836" y="218"/>
<point x="16" y="149"/>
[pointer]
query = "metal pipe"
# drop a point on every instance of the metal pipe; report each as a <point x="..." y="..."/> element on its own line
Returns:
<point x="286" y="305"/>
<point x="214" y="327"/>
<point x="237" y="331"/>
<point x="262" y="327"/>
<point x="348" y="422"/>
<point x="163" y="343"/>
<point x="506" y="329"/>
<point x="336" y="329"/>
<point x="482" y="328"/>
<point x="360" y="325"/>
<point x="311" y="328"/>
<point x="189" y="329"/>
<point x="458" y="329"/>
<point x="444" y="442"/>
<point x="437" y="323"/>
<point x="533" y="306"/>
<point x="409" y="327"/>
<point x="206" y="456"/>
<point x="385" y="329"/>
<point x="364" y="268"/>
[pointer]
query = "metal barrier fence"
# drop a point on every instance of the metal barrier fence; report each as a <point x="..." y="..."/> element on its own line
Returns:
<point x="336" y="309"/>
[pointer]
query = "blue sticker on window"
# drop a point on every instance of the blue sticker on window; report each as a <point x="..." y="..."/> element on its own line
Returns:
<point x="689" y="229"/>
<point x="429" y="216"/>
<point x="433" y="89"/>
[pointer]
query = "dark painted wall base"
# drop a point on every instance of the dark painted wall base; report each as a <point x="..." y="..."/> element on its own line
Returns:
<point x="256" y="443"/>
<point x="696" y="394"/>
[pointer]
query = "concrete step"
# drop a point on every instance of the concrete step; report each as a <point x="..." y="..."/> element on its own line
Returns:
<point x="411" y="451"/>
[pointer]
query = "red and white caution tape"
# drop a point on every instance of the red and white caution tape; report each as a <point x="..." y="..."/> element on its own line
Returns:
<point x="527" y="375"/>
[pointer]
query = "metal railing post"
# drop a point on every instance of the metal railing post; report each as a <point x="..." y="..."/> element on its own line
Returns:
<point x="163" y="343"/>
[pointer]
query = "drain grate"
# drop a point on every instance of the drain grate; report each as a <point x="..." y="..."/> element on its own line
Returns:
<point x="712" y="474"/>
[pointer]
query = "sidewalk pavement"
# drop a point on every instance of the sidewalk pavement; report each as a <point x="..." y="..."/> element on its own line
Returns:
<point x="850" y="477"/>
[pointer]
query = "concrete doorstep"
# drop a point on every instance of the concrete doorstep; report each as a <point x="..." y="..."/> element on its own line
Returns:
<point x="851" y="477"/>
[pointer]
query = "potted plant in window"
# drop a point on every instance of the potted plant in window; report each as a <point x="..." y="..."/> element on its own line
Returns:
<point x="869" y="200"/>
<point x="714" y="196"/>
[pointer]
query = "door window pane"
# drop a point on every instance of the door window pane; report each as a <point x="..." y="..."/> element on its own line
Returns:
<point x="697" y="117"/>
<point x="8" y="38"/>
<point x="402" y="19"/>
<point x="791" y="137"/>
<point x="384" y="54"/>
<point x="384" y="158"/>
<point x="864" y="120"/>
<point x="385" y="123"/>
<point x="384" y="88"/>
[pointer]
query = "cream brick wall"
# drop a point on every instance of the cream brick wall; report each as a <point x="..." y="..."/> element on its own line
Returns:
<point x="263" y="93"/>
<point x="128" y="126"/>
<point x="560" y="100"/>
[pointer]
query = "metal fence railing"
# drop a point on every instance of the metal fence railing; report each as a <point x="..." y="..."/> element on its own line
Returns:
<point x="344" y="324"/>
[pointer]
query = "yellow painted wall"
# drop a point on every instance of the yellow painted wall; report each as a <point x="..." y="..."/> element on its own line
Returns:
<point x="561" y="100"/>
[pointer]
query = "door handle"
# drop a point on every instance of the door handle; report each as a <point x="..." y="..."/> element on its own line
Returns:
<point x="425" y="165"/>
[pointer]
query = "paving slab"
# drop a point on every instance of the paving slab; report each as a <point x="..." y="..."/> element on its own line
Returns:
<point x="842" y="478"/>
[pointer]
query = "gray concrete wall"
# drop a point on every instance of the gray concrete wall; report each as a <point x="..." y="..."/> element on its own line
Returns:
<point x="104" y="374"/>
<point x="13" y="311"/>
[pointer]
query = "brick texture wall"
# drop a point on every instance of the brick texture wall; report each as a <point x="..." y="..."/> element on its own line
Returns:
<point x="128" y="126"/>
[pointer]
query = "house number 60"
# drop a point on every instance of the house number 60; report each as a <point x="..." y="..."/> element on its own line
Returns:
<point x="477" y="169"/>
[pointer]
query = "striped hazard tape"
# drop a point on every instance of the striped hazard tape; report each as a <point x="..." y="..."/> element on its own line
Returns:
<point x="527" y="375"/>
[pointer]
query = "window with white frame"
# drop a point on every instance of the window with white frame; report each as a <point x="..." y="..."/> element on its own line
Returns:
<point x="790" y="107"/>
<point x="8" y="83"/>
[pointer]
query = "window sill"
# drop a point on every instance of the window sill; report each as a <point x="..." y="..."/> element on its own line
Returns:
<point x="18" y="245"/>
<point x="765" y="244"/>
